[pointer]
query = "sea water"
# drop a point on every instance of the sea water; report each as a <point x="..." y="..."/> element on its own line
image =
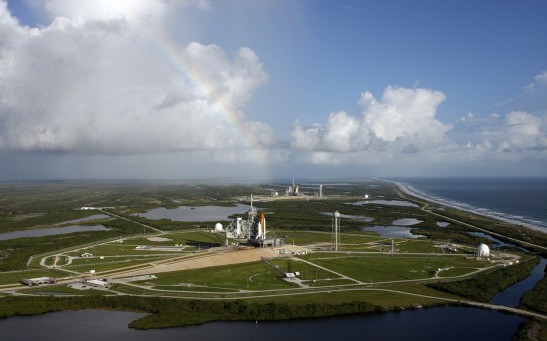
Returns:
<point x="520" y="201"/>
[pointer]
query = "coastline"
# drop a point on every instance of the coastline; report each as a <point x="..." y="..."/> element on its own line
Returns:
<point x="411" y="190"/>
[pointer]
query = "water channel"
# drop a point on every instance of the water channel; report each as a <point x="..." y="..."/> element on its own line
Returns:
<point x="511" y="295"/>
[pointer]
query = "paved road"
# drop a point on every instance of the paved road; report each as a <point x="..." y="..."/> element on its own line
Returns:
<point x="131" y="220"/>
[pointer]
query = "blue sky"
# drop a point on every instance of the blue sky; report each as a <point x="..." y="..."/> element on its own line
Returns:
<point x="272" y="88"/>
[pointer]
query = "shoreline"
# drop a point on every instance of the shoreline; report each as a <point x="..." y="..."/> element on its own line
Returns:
<point x="410" y="190"/>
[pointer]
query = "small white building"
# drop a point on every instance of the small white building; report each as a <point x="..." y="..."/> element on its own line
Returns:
<point x="87" y="255"/>
<point x="37" y="281"/>
<point x="99" y="283"/>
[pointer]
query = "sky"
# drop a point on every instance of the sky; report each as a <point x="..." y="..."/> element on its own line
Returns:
<point x="189" y="89"/>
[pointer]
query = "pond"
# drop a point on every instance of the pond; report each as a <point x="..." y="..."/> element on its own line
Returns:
<point x="407" y="222"/>
<point x="489" y="237"/>
<point x="195" y="213"/>
<point x="392" y="231"/>
<point x="51" y="231"/>
<point x="386" y="202"/>
<point x="398" y="229"/>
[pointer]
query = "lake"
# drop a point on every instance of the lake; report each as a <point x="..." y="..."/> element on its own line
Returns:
<point x="387" y="202"/>
<point x="392" y="231"/>
<point x="195" y="213"/>
<point x="51" y="231"/>
<point x="399" y="229"/>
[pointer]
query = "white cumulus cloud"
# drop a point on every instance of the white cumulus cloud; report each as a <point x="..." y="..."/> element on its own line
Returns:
<point x="402" y="121"/>
<point x="102" y="78"/>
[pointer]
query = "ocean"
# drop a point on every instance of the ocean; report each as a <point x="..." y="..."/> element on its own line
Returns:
<point x="520" y="201"/>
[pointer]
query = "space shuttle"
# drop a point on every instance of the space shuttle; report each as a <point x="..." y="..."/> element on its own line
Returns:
<point x="261" y="227"/>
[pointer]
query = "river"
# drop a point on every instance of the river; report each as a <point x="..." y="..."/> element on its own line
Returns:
<point x="511" y="296"/>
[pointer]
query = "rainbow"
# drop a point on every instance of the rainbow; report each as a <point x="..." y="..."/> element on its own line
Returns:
<point x="173" y="55"/>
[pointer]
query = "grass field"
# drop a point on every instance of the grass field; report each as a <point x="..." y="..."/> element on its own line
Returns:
<point x="389" y="268"/>
<point x="387" y="298"/>
<point x="248" y="276"/>
<point x="307" y="272"/>
<point x="311" y="237"/>
<point x="16" y="276"/>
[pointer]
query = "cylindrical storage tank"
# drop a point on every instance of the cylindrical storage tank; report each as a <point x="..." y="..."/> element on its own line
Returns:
<point x="218" y="227"/>
<point x="337" y="214"/>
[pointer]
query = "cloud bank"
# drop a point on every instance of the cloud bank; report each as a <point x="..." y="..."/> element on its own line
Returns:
<point x="102" y="78"/>
<point x="402" y="127"/>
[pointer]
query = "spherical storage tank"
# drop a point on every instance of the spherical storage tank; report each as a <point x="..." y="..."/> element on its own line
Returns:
<point x="483" y="250"/>
<point x="218" y="227"/>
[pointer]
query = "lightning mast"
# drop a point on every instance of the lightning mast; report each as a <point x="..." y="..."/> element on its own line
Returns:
<point x="336" y="231"/>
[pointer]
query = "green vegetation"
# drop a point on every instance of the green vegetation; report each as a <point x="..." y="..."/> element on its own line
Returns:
<point x="485" y="285"/>
<point x="531" y="330"/>
<point x="380" y="268"/>
<point x="166" y="313"/>
<point x="119" y="264"/>
<point x="17" y="251"/>
<point x="247" y="276"/>
<point x="307" y="271"/>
